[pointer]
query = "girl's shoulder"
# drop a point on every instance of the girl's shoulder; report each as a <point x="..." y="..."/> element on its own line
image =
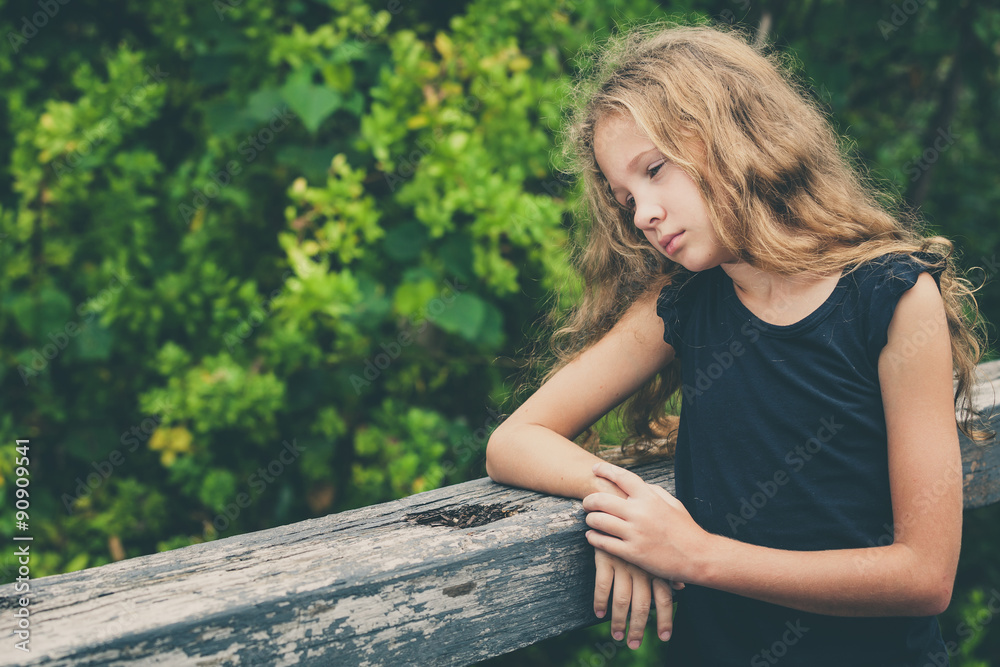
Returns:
<point x="897" y="271"/>
<point x="881" y="283"/>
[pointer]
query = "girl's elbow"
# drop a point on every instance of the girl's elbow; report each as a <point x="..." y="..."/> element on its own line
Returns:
<point x="935" y="594"/>
<point x="939" y="598"/>
<point x="493" y="446"/>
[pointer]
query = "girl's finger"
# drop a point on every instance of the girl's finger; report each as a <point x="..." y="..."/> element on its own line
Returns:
<point x="664" y="599"/>
<point x="605" y="502"/>
<point x="676" y="585"/>
<point x="641" y="603"/>
<point x="607" y="523"/>
<point x="620" y="600"/>
<point x="606" y="543"/>
<point x="603" y="581"/>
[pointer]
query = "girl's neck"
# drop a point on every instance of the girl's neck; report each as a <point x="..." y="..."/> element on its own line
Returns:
<point x="784" y="298"/>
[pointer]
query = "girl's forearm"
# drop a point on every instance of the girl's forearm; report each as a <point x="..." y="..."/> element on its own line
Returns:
<point x="876" y="581"/>
<point x="533" y="457"/>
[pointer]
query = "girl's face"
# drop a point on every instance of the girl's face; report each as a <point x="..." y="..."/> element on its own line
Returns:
<point x="666" y="204"/>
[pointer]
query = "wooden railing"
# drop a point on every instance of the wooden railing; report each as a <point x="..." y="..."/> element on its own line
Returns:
<point x="445" y="577"/>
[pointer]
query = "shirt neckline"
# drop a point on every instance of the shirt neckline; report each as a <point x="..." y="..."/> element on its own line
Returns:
<point x="782" y="330"/>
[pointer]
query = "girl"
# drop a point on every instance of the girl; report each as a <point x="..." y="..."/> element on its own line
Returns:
<point x="734" y="257"/>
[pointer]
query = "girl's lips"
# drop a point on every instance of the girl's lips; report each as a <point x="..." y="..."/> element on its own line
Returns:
<point x="671" y="244"/>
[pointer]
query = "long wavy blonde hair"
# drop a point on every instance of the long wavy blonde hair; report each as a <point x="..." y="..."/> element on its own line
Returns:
<point x="782" y="194"/>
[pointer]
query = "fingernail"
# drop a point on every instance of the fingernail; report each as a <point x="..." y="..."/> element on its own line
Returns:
<point x="634" y="644"/>
<point x="618" y="635"/>
<point x="665" y="636"/>
<point x="599" y="612"/>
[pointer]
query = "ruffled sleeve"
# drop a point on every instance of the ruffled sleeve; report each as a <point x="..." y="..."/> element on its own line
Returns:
<point x="672" y="306"/>
<point x="892" y="276"/>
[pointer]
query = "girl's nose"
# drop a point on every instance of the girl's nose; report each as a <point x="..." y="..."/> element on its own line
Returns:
<point x="647" y="214"/>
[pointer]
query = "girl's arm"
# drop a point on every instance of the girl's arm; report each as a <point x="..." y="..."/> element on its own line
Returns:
<point x="533" y="447"/>
<point x="913" y="576"/>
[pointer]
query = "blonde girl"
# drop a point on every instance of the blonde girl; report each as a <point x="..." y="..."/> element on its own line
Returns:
<point x="734" y="258"/>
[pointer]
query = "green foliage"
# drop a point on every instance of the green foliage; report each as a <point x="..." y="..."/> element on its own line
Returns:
<point x="227" y="227"/>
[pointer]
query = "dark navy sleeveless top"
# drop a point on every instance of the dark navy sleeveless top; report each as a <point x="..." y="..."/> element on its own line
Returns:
<point x="782" y="443"/>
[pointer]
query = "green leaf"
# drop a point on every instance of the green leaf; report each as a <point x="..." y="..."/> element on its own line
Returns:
<point x="93" y="445"/>
<point x="261" y="105"/>
<point x="405" y="242"/>
<point x="312" y="103"/>
<point x="355" y="103"/>
<point x="456" y="253"/>
<point x="212" y="68"/>
<point x="374" y="305"/>
<point x="491" y="335"/>
<point x="41" y="313"/>
<point x="313" y="163"/>
<point x="225" y="117"/>
<point x="463" y="316"/>
<point x="94" y="342"/>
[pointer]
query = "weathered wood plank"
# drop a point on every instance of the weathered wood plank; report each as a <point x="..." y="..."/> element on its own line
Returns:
<point x="981" y="463"/>
<point x="363" y="587"/>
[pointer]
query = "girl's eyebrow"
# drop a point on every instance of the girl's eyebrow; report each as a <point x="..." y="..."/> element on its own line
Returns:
<point x="631" y="166"/>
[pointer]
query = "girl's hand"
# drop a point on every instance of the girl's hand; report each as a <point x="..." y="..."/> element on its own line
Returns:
<point x="632" y="586"/>
<point x="650" y="529"/>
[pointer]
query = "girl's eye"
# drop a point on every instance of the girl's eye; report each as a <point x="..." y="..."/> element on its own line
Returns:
<point x="652" y="171"/>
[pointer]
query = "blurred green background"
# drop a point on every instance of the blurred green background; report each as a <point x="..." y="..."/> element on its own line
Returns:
<point x="291" y="253"/>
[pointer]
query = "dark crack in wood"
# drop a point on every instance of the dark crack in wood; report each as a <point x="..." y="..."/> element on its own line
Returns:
<point x="464" y="516"/>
